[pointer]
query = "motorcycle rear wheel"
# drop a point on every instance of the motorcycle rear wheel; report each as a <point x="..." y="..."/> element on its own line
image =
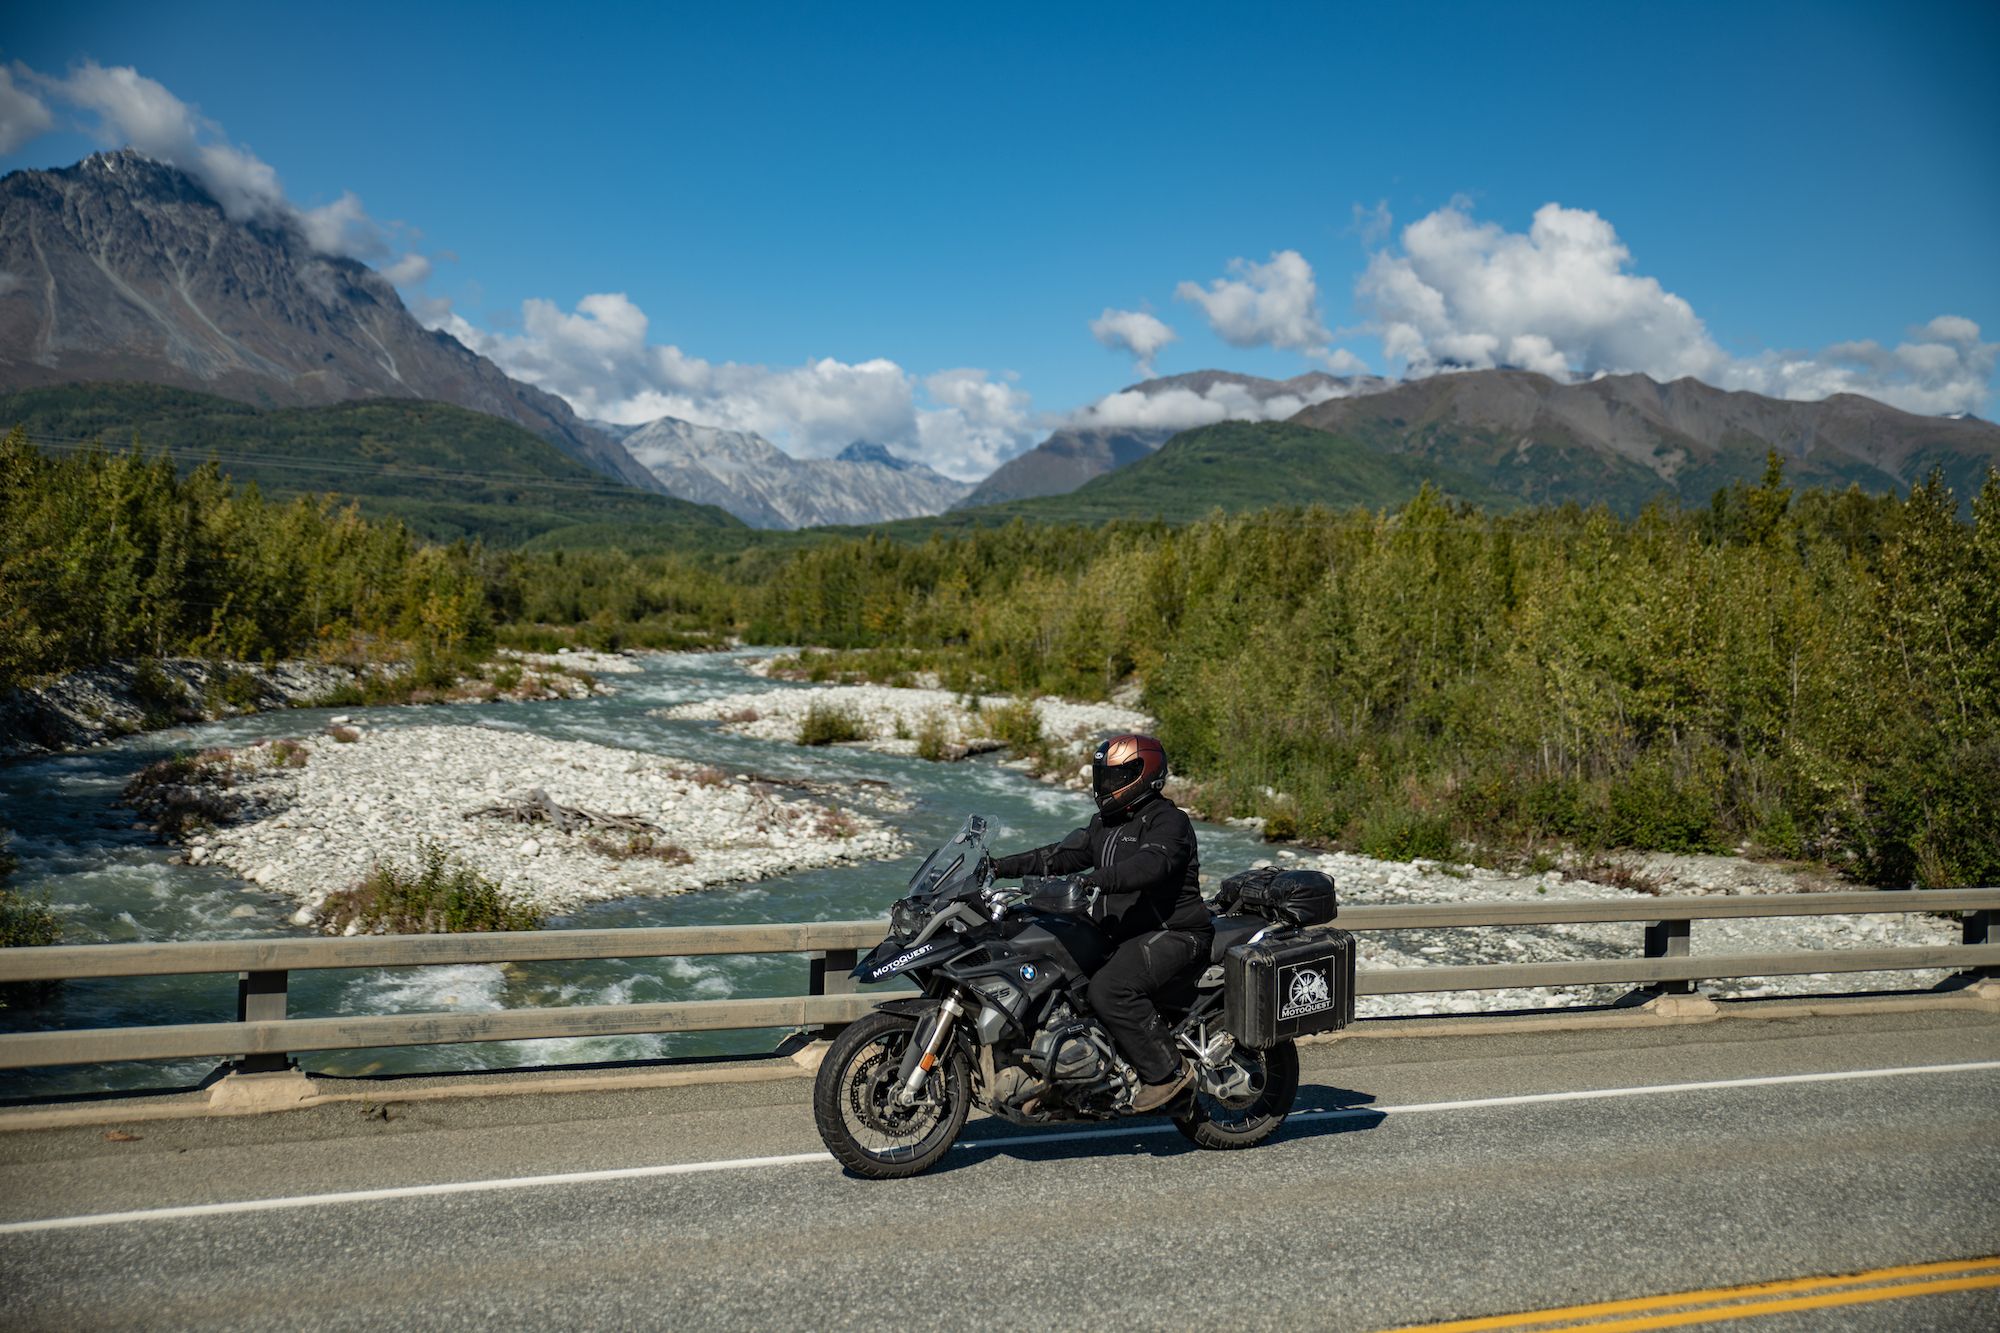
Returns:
<point x="1211" y="1123"/>
<point x="855" y="1109"/>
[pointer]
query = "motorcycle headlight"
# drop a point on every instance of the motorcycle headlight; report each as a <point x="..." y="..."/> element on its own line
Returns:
<point x="906" y="918"/>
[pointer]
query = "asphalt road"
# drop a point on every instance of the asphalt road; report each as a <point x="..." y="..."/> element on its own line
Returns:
<point x="1389" y="1201"/>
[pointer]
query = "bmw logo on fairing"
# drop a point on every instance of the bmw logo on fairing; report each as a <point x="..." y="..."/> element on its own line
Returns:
<point x="1027" y="971"/>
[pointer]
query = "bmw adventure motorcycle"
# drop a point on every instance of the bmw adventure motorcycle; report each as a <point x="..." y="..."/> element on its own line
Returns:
<point x="1001" y="1021"/>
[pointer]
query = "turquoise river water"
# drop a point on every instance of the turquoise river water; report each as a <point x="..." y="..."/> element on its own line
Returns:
<point x="111" y="881"/>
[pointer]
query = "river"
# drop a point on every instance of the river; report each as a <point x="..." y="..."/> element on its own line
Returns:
<point x="112" y="882"/>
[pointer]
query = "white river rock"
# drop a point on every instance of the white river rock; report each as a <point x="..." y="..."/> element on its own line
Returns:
<point x="315" y="829"/>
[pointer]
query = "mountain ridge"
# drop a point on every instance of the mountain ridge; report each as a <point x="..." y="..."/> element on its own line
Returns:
<point x="1624" y="439"/>
<point x="127" y="269"/>
<point x="764" y="486"/>
<point x="1074" y="454"/>
<point x="446" y="471"/>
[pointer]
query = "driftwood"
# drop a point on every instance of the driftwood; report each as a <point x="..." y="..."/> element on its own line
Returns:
<point x="537" y="807"/>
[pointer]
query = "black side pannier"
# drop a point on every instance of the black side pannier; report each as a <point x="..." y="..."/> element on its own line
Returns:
<point x="1291" y="897"/>
<point x="1288" y="987"/>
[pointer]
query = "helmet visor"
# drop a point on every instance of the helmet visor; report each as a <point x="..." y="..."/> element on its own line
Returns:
<point x="1108" y="778"/>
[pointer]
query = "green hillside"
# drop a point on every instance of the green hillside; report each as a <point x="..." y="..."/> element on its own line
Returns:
<point x="1237" y="466"/>
<point x="445" y="471"/>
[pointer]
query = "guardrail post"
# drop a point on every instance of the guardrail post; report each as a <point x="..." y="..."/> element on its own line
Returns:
<point x="1669" y="939"/>
<point x="827" y="974"/>
<point x="260" y="998"/>
<point x="1975" y="927"/>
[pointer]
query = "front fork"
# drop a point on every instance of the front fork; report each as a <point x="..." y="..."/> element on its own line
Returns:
<point x="917" y="1064"/>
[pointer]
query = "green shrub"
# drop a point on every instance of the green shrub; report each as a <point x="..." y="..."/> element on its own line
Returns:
<point x="1650" y="807"/>
<point x="1934" y="819"/>
<point x="162" y="699"/>
<point x="288" y="754"/>
<point x="185" y="793"/>
<point x="26" y="921"/>
<point x="1018" y="723"/>
<point x="229" y="690"/>
<point x="1392" y="831"/>
<point x="1281" y="823"/>
<point x="934" y="737"/>
<point x="347" y="694"/>
<point x="440" y="895"/>
<point x="831" y="724"/>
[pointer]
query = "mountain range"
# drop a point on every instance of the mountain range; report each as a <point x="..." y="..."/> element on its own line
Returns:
<point x="1625" y="439"/>
<point x="122" y="268"/>
<point x="766" y="487"/>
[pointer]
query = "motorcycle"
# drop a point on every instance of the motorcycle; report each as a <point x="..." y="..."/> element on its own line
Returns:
<point x="1000" y="1020"/>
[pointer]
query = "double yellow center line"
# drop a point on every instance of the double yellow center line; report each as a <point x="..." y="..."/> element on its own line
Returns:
<point x="1761" y="1298"/>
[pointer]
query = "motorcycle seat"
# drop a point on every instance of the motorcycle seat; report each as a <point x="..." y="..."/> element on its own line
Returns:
<point x="1231" y="931"/>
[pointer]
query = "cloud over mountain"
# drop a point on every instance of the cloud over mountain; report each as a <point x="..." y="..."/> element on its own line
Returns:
<point x="598" y="357"/>
<point x="1182" y="402"/>
<point x="23" y="116"/>
<point x="1562" y="299"/>
<point x="123" y="108"/>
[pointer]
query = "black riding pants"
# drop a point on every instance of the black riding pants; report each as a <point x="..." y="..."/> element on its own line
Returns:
<point x="1122" y="995"/>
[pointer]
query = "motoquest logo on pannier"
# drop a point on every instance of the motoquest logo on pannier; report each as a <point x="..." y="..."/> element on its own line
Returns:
<point x="1307" y="990"/>
<point x="1289" y="986"/>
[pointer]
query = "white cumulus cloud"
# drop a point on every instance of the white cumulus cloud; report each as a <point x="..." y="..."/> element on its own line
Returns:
<point x="126" y="108"/>
<point x="599" y="358"/>
<point x="1471" y="294"/>
<point x="1273" y="304"/>
<point x="1563" y="299"/>
<point x="1135" y="331"/>
<point x="973" y="423"/>
<point x="23" y="116"/>
<point x="1945" y="367"/>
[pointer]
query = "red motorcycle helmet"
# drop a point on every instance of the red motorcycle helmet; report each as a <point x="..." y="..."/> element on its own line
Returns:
<point x="1124" y="771"/>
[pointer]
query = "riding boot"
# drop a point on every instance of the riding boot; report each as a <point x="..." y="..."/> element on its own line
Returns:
<point x="1152" y="1096"/>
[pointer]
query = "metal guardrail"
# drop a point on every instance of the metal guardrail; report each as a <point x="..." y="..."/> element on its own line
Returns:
<point x="263" y="1036"/>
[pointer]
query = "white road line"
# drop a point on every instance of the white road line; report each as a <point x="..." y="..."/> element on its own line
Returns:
<point x="1029" y="1140"/>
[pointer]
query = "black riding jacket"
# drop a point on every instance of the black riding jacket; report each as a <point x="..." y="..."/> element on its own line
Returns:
<point x="1147" y="865"/>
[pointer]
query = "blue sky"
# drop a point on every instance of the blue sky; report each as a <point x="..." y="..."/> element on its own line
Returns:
<point x="789" y="193"/>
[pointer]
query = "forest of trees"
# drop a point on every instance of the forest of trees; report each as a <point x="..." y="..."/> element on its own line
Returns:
<point x="106" y="555"/>
<point x="1814" y="675"/>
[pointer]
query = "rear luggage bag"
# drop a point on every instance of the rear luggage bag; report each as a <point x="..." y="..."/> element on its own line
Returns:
<point x="1291" y="897"/>
<point x="1288" y="987"/>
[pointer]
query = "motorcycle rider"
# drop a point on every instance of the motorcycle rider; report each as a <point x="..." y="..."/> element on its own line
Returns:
<point x="1139" y="851"/>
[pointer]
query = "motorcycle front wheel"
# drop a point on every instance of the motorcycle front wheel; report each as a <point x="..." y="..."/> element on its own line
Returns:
<point x="1211" y="1122"/>
<point x="860" y="1118"/>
